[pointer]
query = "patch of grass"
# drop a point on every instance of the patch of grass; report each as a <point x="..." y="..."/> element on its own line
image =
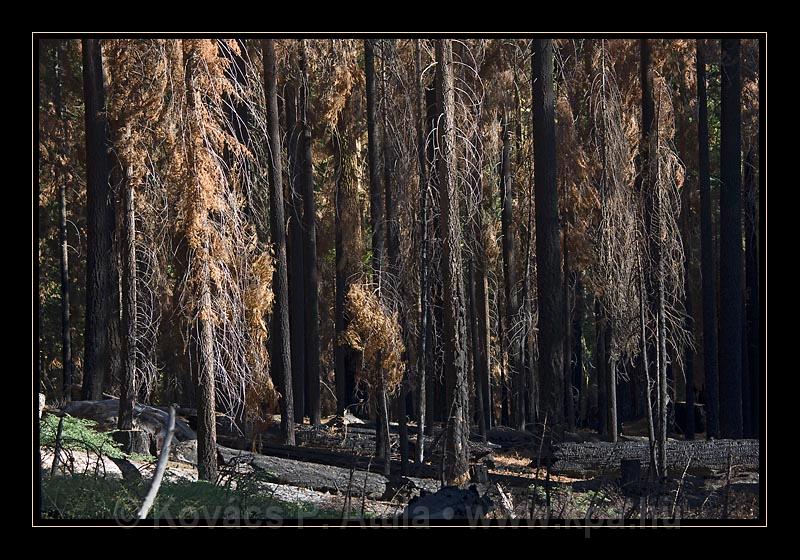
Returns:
<point x="88" y="497"/>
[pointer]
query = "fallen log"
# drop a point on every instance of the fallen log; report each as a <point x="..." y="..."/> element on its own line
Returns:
<point x="148" y="419"/>
<point x="591" y="459"/>
<point x="307" y="475"/>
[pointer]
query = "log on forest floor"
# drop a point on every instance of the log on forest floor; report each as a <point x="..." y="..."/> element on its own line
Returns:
<point x="308" y="475"/>
<point x="590" y="459"/>
<point x="149" y="419"/>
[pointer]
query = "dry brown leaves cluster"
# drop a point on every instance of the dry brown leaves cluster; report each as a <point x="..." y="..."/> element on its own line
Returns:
<point x="375" y="332"/>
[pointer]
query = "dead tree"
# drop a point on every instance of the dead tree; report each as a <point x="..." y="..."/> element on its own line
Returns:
<point x="707" y="259"/>
<point x="377" y="223"/>
<point x="730" y="261"/>
<point x="548" y="251"/>
<point x="456" y="463"/>
<point x="280" y="335"/>
<point x="99" y="225"/>
<point x="514" y="342"/>
<point x="310" y="276"/>
<point x="66" y="337"/>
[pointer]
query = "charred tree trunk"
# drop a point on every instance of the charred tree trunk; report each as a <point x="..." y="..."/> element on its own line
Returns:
<point x="433" y="377"/>
<point x="377" y="224"/>
<point x="392" y="268"/>
<point x="707" y="259"/>
<point x="127" y="396"/>
<point x="730" y="316"/>
<point x="373" y="149"/>
<point x="548" y="253"/>
<point x="688" y="361"/>
<point x="99" y="225"/>
<point x="654" y="231"/>
<point x="348" y="260"/>
<point x="310" y="276"/>
<point x="280" y="358"/>
<point x="66" y="336"/>
<point x="294" y="254"/>
<point x="611" y="380"/>
<point x="456" y="463"/>
<point x="577" y="348"/>
<point x="569" y="402"/>
<point x="424" y="318"/>
<point x="752" y="308"/>
<point x="601" y="367"/>
<point x="515" y="370"/>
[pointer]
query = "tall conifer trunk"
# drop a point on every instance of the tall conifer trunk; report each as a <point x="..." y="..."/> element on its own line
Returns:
<point x="280" y="356"/>
<point x="731" y="302"/>
<point x="548" y="251"/>
<point x="99" y="226"/>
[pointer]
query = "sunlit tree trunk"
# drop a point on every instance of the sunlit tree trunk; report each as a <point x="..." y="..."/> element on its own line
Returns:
<point x="456" y="465"/>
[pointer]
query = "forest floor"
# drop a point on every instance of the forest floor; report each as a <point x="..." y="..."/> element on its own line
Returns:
<point x="332" y="474"/>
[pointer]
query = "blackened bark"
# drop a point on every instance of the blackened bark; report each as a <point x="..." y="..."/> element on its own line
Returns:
<point x="601" y="368"/>
<point x="730" y="316"/>
<point x="479" y="291"/>
<point x="477" y="351"/>
<point x="377" y="224"/>
<point x="752" y="308"/>
<point x="424" y="331"/>
<point x="348" y="262"/>
<point x="645" y="364"/>
<point x="707" y="259"/>
<point x="655" y="234"/>
<point x="99" y="225"/>
<point x="456" y="460"/>
<point x="548" y="251"/>
<point x="311" y="280"/>
<point x="577" y="348"/>
<point x="373" y="154"/>
<point x="433" y="409"/>
<point x="515" y="370"/>
<point x="280" y="358"/>
<point x="66" y="336"/>
<point x="483" y="371"/>
<point x="611" y="390"/>
<point x="294" y="250"/>
<point x="127" y="396"/>
<point x="688" y="360"/>
<point x="569" y="402"/>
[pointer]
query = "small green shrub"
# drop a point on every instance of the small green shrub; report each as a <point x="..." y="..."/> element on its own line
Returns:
<point x="78" y="434"/>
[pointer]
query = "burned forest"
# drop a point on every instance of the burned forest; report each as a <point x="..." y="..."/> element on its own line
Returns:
<point x="401" y="280"/>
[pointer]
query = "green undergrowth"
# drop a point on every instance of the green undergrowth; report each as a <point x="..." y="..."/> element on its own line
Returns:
<point x="89" y="497"/>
